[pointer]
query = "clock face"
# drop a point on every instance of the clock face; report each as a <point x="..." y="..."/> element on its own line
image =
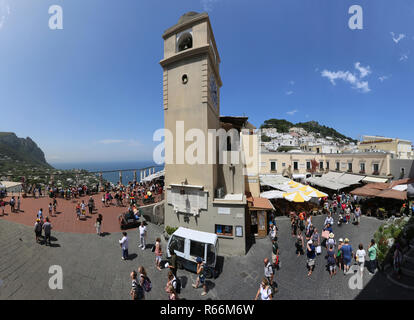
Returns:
<point x="213" y="91"/>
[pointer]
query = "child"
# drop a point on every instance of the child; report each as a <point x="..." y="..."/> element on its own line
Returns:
<point x="50" y="209"/>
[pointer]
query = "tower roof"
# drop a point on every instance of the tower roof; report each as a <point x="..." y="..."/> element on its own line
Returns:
<point x="187" y="16"/>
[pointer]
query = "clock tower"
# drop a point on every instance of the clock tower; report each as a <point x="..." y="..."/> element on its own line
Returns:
<point x="191" y="102"/>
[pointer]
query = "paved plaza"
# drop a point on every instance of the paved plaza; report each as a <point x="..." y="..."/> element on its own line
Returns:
<point x="93" y="269"/>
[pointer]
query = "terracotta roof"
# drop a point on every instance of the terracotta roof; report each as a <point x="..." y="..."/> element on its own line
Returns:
<point x="260" y="203"/>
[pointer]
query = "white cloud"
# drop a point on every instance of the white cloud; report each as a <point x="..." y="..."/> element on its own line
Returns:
<point x="288" y="93"/>
<point x="365" y="71"/>
<point x="291" y="113"/>
<point x="383" y="78"/>
<point x="208" y="4"/>
<point x="404" y="57"/>
<point x="349" y="77"/>
<point x="4" y="12"/>
<point x="110" y="141"/>
<point x="399" y="38"/>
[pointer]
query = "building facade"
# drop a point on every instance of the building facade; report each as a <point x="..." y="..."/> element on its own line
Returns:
<point x="284" y="163"/>
<point x="400" y="149"/>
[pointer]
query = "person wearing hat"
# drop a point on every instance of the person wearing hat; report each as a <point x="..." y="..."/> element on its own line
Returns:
<point x="347" y="254"/>
<point x="38" y="229"/>
<point x="311" y="254"/>
<point x="331" y="240"/>
<point x="201" y="276"/>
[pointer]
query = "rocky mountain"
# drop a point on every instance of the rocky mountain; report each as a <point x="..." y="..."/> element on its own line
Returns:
<point x="15" y="150"/>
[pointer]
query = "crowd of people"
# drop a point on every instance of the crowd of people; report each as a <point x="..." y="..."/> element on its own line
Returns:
<point x="140" y="282"/>
<point x="339" y="254"/>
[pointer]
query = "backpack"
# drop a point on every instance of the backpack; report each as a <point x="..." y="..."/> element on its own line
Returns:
<point x="138" y="291"/>
<point x="147" y="284"/>
<point x="177" y="285"/>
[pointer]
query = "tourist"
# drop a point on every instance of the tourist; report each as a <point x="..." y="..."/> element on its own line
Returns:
<point x="158" y="253"/>
<point x="18" y="204"/>
<point x="40" y="214"/>
<point x="275" y="255"/>
<point x="372" y="254"/>
<point x="293" y="224"/>
<point x="83" y="208"/>
<point x="357" y="214"/>
<point x="347" y="214"/>
<point x="91" y="204"/>
<point x="328" y="220"/>
<point x="38" y="230"/>
<point x="144" y="281"/>
<point x="347" y="254"/>
<point x="268" y="271"/>
<point x="142" y="235"/>
<point x="47" y="227"/>
<point x="301" y="221"/>
<point x="299" y="244"/>
<point x="137" y="293"/>
<point x="98" y="224"/>
<point x="316" y="240"/>
<point x="2" y="205"/>
<point x="103" y="201"/>
<point x="124" y="245"/>
<point x="54" y="206"/>
<point x="311" y="254"/>
<point x="172" y="281"/>
<point x="273" y="231"/>
<point x="265" y="291"/>
<point x="201" y="278"/>
<point x="360" y="258"/>
<point x="331" y="241"/>
<point x="78" y="210"/>
<point x="331" y="261"/>
<point x="172" y="294"/>
<point x="50" y="209"/>
<point x="12" y="204"/>
<point x="339" y="257"/>
<point x="397" y="260"/>
<point x="172" y="263"/>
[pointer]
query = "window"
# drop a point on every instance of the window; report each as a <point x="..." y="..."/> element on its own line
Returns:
<point x="223" y="230"/>
<point x="321" y="165"/>
<point x="197" y="249"/>
<point x="184" y="41"/>
<point x="273" y="166"/>
<point x="211" y="254"/>
<point x="283" y="164"/>
<point x="350" y="166"/>
<point x="362" y="167"/>
<point x="402" y="173"/>
<point x="317" y="150"/>
<point x="228" y="143"/>
<point x="337" y="166"/>
<point x="308" y="165"/>
<point x="295" y="165"/>
<point x="327" y="165"/>
<point x="375" y="168"/>
<point x="177" y="243"/>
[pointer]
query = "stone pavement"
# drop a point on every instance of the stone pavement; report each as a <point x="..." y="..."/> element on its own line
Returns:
<point x="93" y="269"/>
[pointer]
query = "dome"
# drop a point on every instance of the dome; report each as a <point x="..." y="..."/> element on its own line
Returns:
<point x="187" y="16"/>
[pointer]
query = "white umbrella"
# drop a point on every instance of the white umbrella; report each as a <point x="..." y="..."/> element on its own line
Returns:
<point x="272" y="194"/>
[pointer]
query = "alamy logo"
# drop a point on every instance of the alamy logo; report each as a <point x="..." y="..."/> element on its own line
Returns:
<point x="56" y="280"/>
<point x="355" y="281"/>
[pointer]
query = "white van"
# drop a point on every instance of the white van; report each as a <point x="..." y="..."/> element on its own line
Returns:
<point x="189" y="244"/>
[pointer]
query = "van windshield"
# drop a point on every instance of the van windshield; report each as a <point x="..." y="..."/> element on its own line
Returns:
<point x="177" y="243"/>
<point x="197" y="249"/>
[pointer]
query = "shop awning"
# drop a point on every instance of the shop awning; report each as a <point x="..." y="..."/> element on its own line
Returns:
<point x="258" y="203"/>
<point x="272" y="194"/>
<point x="350" y="179"/>
<point x="272" y="179"/>
<point x="393" y="194"/>
<point x="374" y="179"/>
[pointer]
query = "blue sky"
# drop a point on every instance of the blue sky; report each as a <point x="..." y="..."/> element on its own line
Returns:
<point x="93" y="91"/>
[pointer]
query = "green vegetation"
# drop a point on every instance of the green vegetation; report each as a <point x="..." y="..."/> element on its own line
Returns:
<point x="285" y="149"/>
<point x="170" y="230"/>
<point x="283" y="126"/>
<point x="265" y="138"/>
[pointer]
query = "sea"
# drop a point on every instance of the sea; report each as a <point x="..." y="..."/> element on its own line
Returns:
<point x="112" y="177"/>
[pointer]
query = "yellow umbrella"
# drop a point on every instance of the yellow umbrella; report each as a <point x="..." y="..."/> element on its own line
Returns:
<point x="296" y="196"/>
<point x="306" y="189"/>
<point x="316" y="194"/>
<point x="294" y="184"/>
